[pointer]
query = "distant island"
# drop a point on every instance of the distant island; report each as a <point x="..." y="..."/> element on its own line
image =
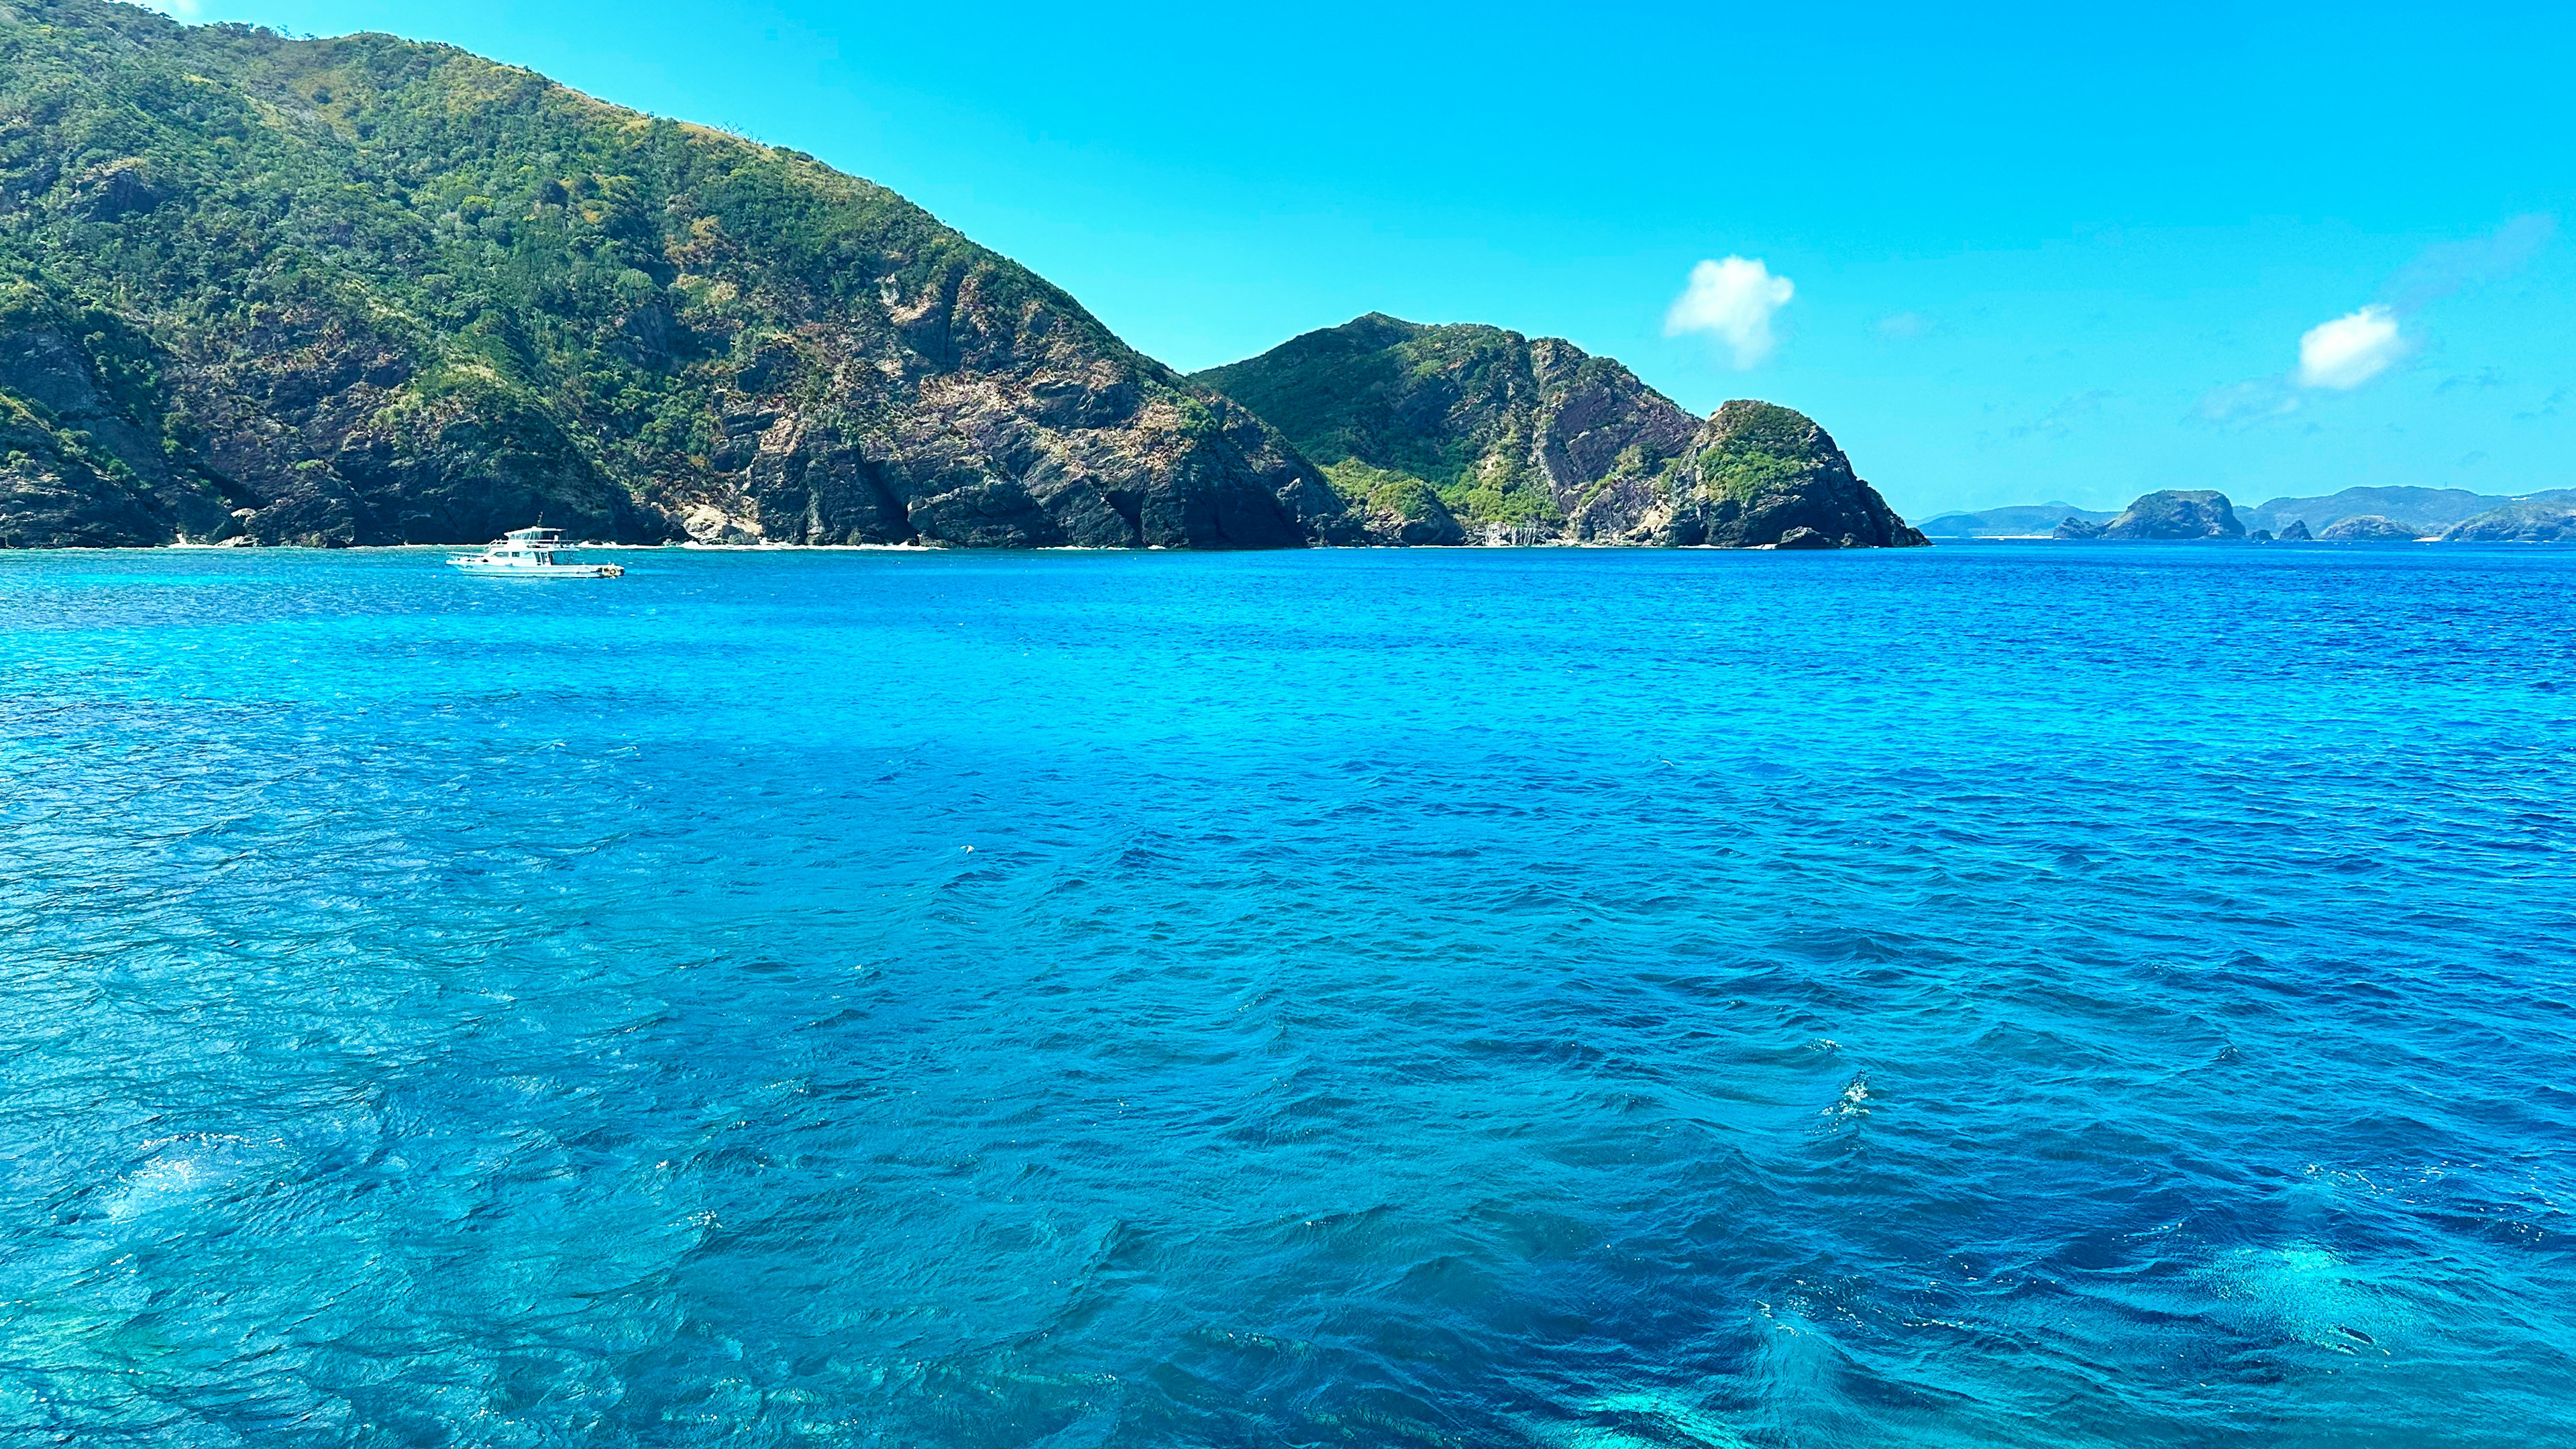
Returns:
<point x="358" y="291"/>
<point x="2355" y="515"/>
<point x="2013" y="520"/>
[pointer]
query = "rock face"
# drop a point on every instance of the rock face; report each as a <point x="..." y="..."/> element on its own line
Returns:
<point x="1482" y="434"/>
<point x="362" y="291"/>
<point x="2367" y="528"/>
<point x="2076" y="530"/>
<point x="2543" y="520"/>
<point x="2295" y="531"/>
<point x="2173" y="514"/>
<point x="1757" y="473"/>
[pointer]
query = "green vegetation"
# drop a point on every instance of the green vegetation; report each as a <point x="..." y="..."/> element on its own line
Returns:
<point x="1485" y="417"/>
<point x="272" y="252"/>
<point x="223" y="180"/>
<point x="1762" y="448"/>
<point x="1346" y="393"/>
<point x="1382" y="490"/>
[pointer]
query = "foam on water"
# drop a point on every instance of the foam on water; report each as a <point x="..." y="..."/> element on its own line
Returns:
<point x="1995" y="995"/>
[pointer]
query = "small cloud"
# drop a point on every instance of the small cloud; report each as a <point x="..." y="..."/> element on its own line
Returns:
<point x="2439" y="271"/>
<point x="2350" y="350"/>
<point x="2244" y="404"/>
<point x="2548" y="407"/>
<point x="1904" y="326"/>
<point x="1732" y="300"/>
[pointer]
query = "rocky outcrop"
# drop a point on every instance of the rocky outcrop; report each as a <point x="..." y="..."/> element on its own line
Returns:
<point x="2076" y="530"/>
<point x="2295" y="531"/>
<point x="82" y="462"/>
<point x="2260" y="535"/>
<point x="363" y="291"/>
<point x="1534" y="440"/>
<point x="2367" y="528"/>
<point x="2175" y="514"/>
<point x="2544" y="520"/>
<point x="1758" y="474"/>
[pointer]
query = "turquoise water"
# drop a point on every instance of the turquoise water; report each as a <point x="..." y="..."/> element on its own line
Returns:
<point x="1584" y="1000"/>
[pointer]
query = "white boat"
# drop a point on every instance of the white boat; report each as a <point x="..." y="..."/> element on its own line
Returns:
<point x="529" y="553"/>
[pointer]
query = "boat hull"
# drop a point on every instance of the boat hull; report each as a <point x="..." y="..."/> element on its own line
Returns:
<point x="526" y="571"/>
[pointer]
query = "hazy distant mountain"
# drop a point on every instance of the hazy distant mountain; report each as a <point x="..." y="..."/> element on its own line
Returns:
<point x="2542" y="518"/>
<point x="2015" y="520"/>
<point x="2428" y="510"/>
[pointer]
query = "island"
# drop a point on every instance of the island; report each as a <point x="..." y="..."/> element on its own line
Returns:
<point x="327" y="292"/>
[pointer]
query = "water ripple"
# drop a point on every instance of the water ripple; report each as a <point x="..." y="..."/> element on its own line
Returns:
<point x="1584" y="1001"/>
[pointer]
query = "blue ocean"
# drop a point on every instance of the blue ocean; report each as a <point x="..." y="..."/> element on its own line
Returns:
<point x="1982" y="995"/>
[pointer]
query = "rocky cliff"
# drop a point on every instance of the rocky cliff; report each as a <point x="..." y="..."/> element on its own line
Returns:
<point x="362" y="291"/>
<point x="1457" y="432"/>
<point x="1759" y="474"/>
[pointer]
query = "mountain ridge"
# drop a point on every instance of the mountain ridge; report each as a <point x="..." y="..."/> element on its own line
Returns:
<point x="366" y="290"/>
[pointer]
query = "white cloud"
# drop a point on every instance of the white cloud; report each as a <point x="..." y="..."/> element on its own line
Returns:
<point x="176" y="9"/>
<point x="2350" y="350"/>
<point x="1732" y="300"/>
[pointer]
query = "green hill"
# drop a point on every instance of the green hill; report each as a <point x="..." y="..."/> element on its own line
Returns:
<point x="363" y="290"/>
<point x="1537" y="439"/>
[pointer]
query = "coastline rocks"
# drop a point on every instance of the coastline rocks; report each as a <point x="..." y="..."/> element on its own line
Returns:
<point x="2076" y="530"/>
<point x="2175" y="514"/>
<point x="2260" y="535"/>
<point x="2296" y="531"/>
<point x="1803" y="537"/>
<point x="2367" y="528"/>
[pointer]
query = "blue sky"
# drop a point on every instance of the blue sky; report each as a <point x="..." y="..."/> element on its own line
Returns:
<point x="2005" y="254"/>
